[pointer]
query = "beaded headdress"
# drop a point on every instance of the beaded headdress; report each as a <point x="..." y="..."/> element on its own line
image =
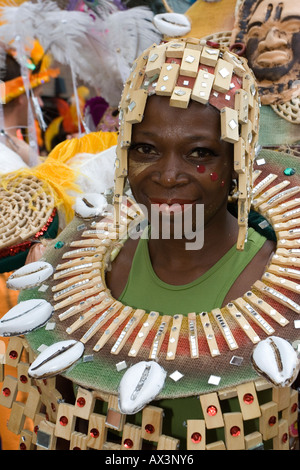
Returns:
<point x="186" y="69"/>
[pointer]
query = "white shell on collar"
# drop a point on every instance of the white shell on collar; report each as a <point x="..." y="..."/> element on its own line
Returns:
<point x="276" y="360"/>
<point x="140" y="384"/>
<point x="172" y="24"/>
<point x="30" y="275"/>
<point x="25" y="317"/>
<point x="90" y="205"/>
<point x="56" y="358"/>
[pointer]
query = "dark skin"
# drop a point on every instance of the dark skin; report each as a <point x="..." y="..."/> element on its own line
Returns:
<point x="167" y="148"/>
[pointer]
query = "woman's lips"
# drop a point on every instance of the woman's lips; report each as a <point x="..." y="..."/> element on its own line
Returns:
<point x="171" y="205"/>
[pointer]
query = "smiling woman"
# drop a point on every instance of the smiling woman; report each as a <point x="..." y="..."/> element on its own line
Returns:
<point x="187" y="322"/>
<point x="182" y="154"/>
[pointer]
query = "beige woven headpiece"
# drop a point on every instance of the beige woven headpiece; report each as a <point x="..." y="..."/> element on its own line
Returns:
<point x="186" y="69"/>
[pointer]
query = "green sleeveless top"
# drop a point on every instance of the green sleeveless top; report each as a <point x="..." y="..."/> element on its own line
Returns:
<point x="145" y="290"/>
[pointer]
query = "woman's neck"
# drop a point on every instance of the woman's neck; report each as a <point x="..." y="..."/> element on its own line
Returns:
<point x="176" y="263"/>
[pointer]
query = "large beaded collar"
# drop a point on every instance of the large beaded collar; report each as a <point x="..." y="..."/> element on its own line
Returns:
<point x="74" y="326"/>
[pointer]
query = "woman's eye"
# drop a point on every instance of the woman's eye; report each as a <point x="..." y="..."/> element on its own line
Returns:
<point x="143" y="149"/>
<point x="201" y="153"/>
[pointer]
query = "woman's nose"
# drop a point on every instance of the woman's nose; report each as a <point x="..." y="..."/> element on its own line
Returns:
<point x="171" y="172"/>
<point x="273" y="40"/>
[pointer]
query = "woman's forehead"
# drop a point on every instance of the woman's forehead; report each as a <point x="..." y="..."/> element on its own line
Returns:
<point x="158" y="112"/>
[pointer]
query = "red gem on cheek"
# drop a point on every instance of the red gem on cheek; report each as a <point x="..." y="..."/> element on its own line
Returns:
<point x="214" y="176"/>
<point x="200" y="168"/>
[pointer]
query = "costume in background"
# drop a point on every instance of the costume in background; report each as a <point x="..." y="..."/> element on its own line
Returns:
<point x="278" y="75"/>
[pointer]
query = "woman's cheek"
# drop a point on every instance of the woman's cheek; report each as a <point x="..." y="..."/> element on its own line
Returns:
<point x="219" y="178"/>
<point x="136" y="168"/>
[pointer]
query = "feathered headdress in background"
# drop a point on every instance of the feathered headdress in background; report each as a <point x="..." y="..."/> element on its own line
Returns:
<point x="99" y="49"/>
<point x="38" y="64"/>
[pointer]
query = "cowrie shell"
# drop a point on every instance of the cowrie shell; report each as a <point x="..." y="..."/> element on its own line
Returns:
<point x="25" y="317"/>
<point x="90" y="205"/>
<point x="172" y="24"/>
<point x="276" y="360"/>
<point x="30" y="275"/>
<point x="56" y="358"/>
<point x="140" y="384"/>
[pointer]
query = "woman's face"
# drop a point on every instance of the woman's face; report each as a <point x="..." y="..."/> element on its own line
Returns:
<point x="177" y="157"/>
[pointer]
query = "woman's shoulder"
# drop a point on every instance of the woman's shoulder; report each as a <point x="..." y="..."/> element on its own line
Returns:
<point x="253" y="271"/>
<point x="117" y="275"/>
